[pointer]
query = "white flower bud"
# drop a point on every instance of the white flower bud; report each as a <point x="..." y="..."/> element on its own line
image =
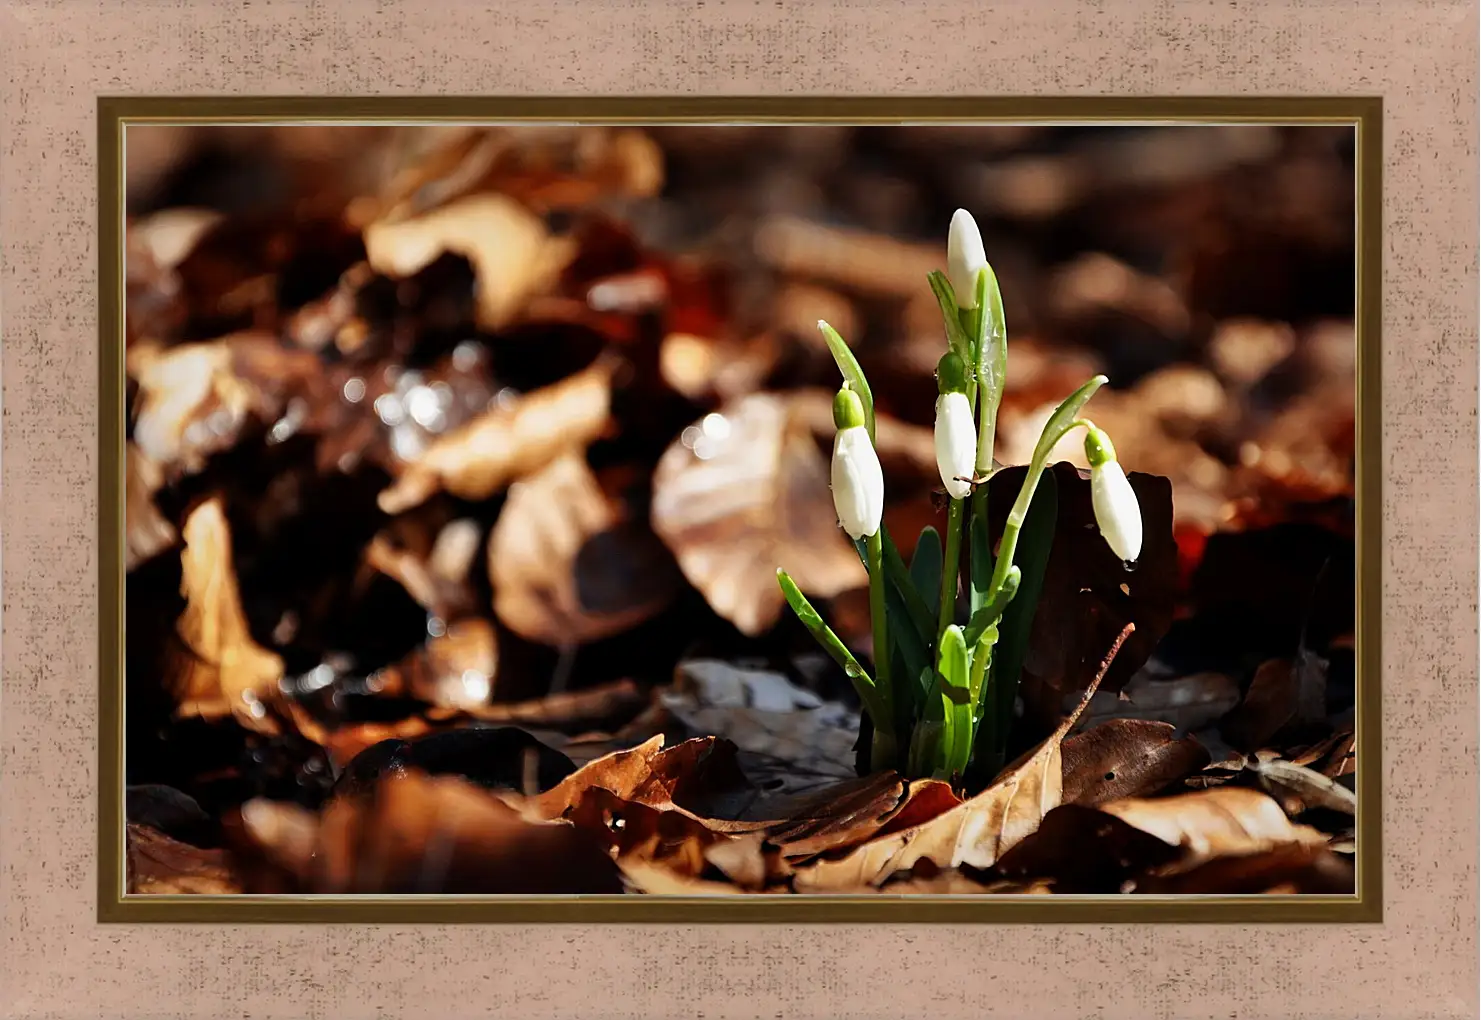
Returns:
<point x="956" y="443"/>
<point x="1116" y="511"/>
<point x="965" y="257"/>
<point x="858" y="482"/>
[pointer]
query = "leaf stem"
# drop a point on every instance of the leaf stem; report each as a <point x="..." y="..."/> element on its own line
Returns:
<point x="884" y="727"/>
<point x="946" y="612"/>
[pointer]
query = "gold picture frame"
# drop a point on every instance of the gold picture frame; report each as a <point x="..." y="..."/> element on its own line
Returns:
<point x="115" y="114"/>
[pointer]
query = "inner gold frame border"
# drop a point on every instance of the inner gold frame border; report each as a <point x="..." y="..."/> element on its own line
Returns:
<point x="1364" y="114"/>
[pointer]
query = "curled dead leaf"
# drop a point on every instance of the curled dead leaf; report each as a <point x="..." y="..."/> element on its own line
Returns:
<point x="743" y="492"/>
<point x="568" y="565"/>
<point x="483" y="456"/>
<point x="224" y="671"/>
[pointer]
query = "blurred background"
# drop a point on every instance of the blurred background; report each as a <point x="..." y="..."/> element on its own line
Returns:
<point x="424" y="422"/>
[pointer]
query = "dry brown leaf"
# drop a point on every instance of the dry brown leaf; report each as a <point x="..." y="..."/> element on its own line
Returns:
<point x="509" y="247"/>
<point x="417" y="834"/>
<point x="974" y="833"/>
<point x="567" y="564"/>
<point x="1127" y="758"/>
<point x="158" y="864"/>
<point x="170" y="234"/>
<point x="1301" y="789"/>
<point x="649" y="774"/>
<point x="1224" y="821"/>
<point x="1291" y="869"/>
<point x="480" y="458"/>
<point x="226" y="671"/>
<point x="743" y="492"/>
<point x="146" y="531"/>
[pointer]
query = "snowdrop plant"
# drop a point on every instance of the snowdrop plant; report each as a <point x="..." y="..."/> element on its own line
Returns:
<point x="941" y="697"/>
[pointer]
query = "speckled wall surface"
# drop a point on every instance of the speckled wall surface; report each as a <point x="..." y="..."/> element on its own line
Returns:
<point x="1420" y="55"/>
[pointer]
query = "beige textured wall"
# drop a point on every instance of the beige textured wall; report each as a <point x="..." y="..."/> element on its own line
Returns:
<point x="1420" y="55"/>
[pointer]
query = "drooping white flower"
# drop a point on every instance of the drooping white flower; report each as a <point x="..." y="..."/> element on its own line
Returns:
<point x="1117" y="513"/>
<point x="965" y="257"/>
<point x="956" y="444"/>
<point x="858" y="480"/>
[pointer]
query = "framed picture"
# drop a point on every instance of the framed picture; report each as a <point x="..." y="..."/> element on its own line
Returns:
<point x="391" y="619"/>
<point x="505" y="504"/>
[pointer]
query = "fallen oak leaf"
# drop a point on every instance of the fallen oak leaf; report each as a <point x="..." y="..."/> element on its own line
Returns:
<point x="567" y="565"/>
<point x="741" y="492"/>
<point x="484" y="455"/>
<point x="975" y="832"/>
<point x="224" y="671"/>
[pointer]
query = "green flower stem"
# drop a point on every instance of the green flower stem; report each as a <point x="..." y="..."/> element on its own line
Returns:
<point x="884" y="728"/>
<point x="947" y="606"/>
<point x="1060" y="423"/>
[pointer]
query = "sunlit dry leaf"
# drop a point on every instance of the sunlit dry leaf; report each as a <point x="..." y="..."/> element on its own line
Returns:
<point x="417" y="834"/>
<point x="649" y="774"/>
<point x="195" y="399"/>
<point x="1221" y="822"/>
<point x="486" y="454"/>
<point x="1299" y="788"/>
<point x="1127" y="758"/>
<point x="741" y="493"/>
<point x="567" y="564"/>
<point x="509" y="247"/>
<point x="170" y="234"/>
<point x="146" y="532"/>
<point x="226" y="671"/>
<point x="158" y="864"/>
<point x="975" y="832"/>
